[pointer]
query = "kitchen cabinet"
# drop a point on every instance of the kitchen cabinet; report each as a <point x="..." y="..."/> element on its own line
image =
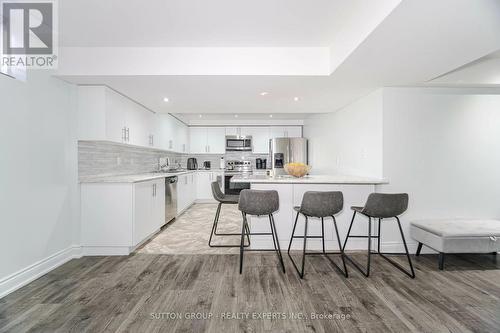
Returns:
<point x="207" y="140"/>
<point x="260" y="138"/>
<point x="204" y="184"/>
<point x="105" y="115"/>
<point x="186" y="191"/>
<point x="173" y="134"/>
<point x="118" y="217"/>
<point x="285" y="132"/>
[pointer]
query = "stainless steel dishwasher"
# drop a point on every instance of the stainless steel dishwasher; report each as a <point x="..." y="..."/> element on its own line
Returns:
<point x="170" y="198"/>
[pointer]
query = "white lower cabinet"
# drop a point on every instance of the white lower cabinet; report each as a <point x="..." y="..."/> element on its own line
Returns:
<point x="204" y="184"/>
<point x="186" y="191"/>
<point x="117" y="217"/>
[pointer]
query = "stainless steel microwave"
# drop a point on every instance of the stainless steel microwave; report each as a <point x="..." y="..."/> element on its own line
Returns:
<point x="238" y="143"/>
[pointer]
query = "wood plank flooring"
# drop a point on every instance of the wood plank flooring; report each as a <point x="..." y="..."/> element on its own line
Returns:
<point x="138" y="293"/>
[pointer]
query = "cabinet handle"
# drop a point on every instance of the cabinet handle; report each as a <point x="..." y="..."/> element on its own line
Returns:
<point x="152" y="140"/>
<point x="183" y="147"/>
<point x="124" y="134"/>
<point x="208" y="148"/>
<point x="127" y="134"/>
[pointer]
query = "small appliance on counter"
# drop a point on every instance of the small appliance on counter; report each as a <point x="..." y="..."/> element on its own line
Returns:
<point x="207" y="165"/>
<point x="222" y="163"/>
<point x="260" y="163"/>
<point x="192" y="163"/>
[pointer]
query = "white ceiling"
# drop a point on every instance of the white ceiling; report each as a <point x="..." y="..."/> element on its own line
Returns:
<point x="242" y="118"/>
<point x="418" y="41"/>
<point x="484" y="72"/>
<point x="214" y="23"/>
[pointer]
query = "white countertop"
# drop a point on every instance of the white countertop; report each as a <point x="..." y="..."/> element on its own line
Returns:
<point x="142" y="177"/>
<point x="311" y="179"/>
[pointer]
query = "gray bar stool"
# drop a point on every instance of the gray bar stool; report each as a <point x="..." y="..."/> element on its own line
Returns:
<point x="321" y="205"/>
<point x="381" y="206"/>
<point x="227" y="200"/>
<point x="260" y="203"/>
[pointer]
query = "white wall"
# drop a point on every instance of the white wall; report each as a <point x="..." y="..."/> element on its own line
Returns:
<point x="442" y="146"/>
<point x="38" y="177"/>
<point x="347" y="141"/>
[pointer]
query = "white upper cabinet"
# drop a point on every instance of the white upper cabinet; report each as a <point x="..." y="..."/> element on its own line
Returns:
<point x="207" y="140"/>
<point x="198" y="140"/>
<point x="286" y="132"/>
<point x="216" y="140"/>
<point x="260" y="138"/>
<point x="106" y="115"/>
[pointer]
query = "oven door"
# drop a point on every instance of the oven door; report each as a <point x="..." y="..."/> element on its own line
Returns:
<point x="233" y="188"/>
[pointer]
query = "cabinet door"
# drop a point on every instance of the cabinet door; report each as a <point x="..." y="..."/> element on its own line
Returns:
<point x="182" y="138"/>
<point x="115" y="117"/>
<point x="260" y="138"/>
<point x="182" y="192"/>
<point x="143" y="194"/>
<point x="198" y="140"/>
<point x="233" y="130"/>
<point x="203" y="186"/>
<point x="192" y="187"/>
<point x="277" y="132"/>
<point x="216" y="140"/>
<point x="293" y="131"/>
<point x="158" y="209"/>
<point x="137" y="121"/>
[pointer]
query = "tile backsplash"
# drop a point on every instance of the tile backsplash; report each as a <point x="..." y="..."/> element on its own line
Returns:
<point x="102" y="158"/>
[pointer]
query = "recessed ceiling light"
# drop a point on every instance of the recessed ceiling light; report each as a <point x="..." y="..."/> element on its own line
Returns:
<point x="200" y="116"/>
<point x="296" y="99"/>
<point x="264" y="93"/>
<point x="270" y="116"/>
<point x="235" y="116"/>
<point x="165" y="99"/>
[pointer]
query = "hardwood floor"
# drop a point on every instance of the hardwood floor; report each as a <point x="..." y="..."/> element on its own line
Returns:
<point x="135" y="293"/>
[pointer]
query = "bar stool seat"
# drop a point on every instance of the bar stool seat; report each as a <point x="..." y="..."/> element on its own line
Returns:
<point x="229" y="199"/>
<point x="319" y="205"/>
<point x="381" y="206"/>
<point x="260" y="203"/>
<point x="222" y="198"/>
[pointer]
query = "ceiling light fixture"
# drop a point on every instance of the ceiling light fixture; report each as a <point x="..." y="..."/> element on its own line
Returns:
<point x="270" y="116"/>
<point x="296" y="99"/>
<point x="264" y="93"/>
<point x="165" y="99"/>
<point x="200" y="116"/>
<point x="235" y="116"/>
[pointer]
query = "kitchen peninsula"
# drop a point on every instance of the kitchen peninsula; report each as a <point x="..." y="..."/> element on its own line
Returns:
<point x="290" y="189"/>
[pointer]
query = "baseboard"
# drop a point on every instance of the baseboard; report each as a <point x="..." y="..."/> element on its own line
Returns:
<point x="106" y="250"/>
<point x="34" y="271"/>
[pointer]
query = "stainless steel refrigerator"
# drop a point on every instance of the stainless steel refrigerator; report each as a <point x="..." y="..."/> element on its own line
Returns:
<point x="287" y="150"/>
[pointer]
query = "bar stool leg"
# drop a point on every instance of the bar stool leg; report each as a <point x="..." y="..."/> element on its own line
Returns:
<point x="293" y="233"/>
<point x="214" y="231"/>
<point x="410" y="273"/>
<point x="304" y="251"/>
<point x="323" y="234"/>
<point x="369" y="237"/>
<point x="349" y="231"/>
<point x="244" y="222"/>
<point x="276" y="241"/>
<point x="342" y="255"/>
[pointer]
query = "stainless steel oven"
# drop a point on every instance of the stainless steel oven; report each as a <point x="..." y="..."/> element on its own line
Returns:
<point x="236" y="167"/>
<point x="238" y="143"/>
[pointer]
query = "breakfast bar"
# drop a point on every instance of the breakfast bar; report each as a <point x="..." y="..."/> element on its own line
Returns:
<point x="291" y="189"/>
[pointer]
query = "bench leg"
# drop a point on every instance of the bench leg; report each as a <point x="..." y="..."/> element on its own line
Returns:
<point x="419" y="248"/>
<point x="441" y="261"/>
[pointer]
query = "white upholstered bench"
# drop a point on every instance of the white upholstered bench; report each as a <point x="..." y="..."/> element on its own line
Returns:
<point x="457" y="236"/>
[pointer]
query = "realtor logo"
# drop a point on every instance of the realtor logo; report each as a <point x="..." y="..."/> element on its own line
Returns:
<point x="28" y="33"/>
